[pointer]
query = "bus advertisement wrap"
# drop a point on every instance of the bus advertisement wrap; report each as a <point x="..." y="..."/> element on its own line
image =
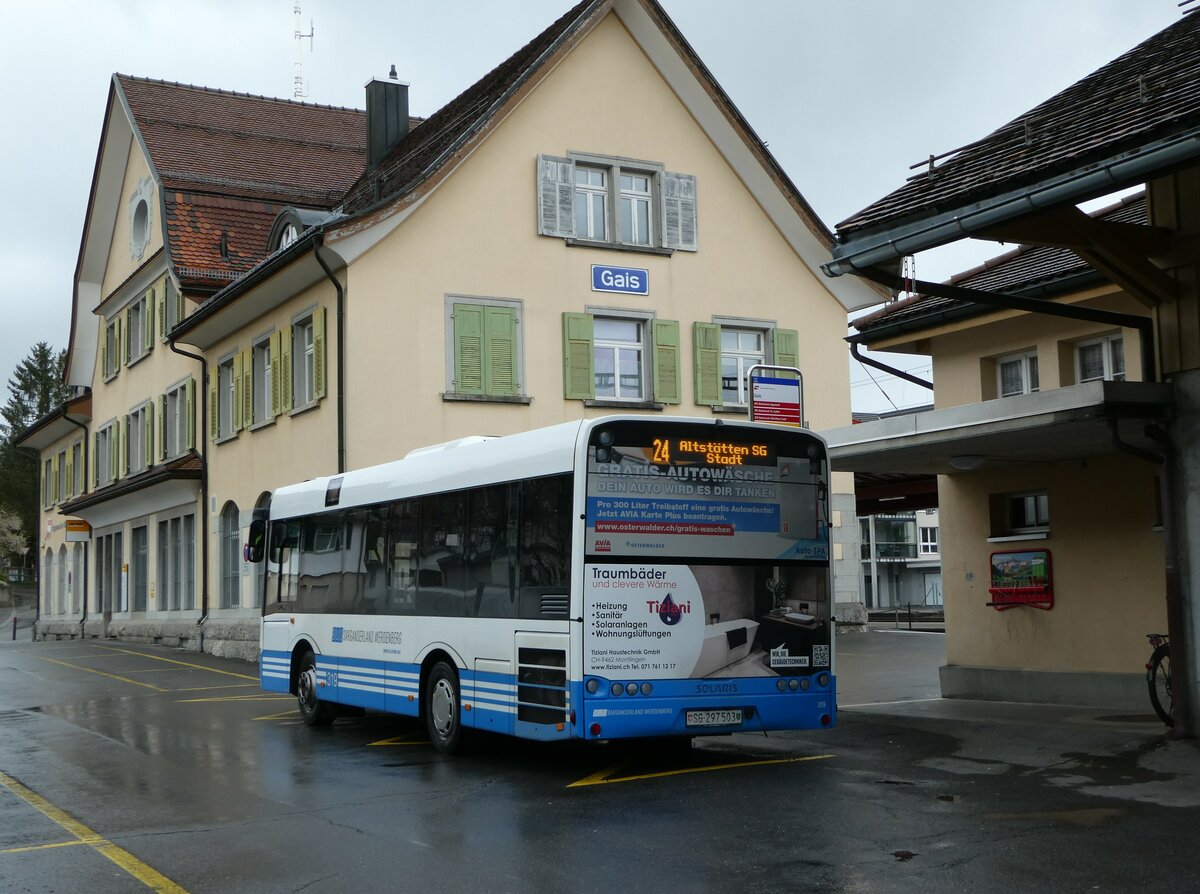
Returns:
<point x="688" y="621"/>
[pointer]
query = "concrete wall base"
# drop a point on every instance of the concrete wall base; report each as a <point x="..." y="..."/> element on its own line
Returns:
<point x="232" y="638"/>
<point x="851" y="617"/>
<point x="1126" y="692"/>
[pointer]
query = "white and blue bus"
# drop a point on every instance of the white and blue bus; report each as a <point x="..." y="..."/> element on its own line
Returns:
<point x="600" y="579"/>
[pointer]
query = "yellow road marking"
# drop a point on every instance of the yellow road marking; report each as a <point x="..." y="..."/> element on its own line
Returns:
<point x="282" y="715"/>
<point x="103" y="674"/>
<point x="211" y="688"/>
<point x="147" y="875"/>
<point x="605" y="776"/>
<point x="410" y="739"/>
<point x="213" y="670"/>
<point x="237" y="698"/>
<point x="42" y="847"/>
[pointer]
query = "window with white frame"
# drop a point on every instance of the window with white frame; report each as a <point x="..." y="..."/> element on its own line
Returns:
<point x="105" y="454"/>
<point x="139" y="327"/>
<point x="140" y="438"/>
<point x="1100" y="359"/>
<point x="304" y="361"/>
<point x="929" y="541"/>
<point x="1020" y="514"/>
<point x="740" y="350"/>
<point x="177" y="420"/>
<point x="620" y="358"/>
<point x="1017" y="374"/>
<point x="48" y="482"/>
<point x="77" y="468"/>
<point x="177" y="563"/>
<point x="618" y="201"/>
<point x="111" y="347"/>
<point x="225" y="405"/>
<point x="261" y="382"/>
<point x="171" y="308"/>
<point x="62" y="488"/>
<point x="139" y="567"/>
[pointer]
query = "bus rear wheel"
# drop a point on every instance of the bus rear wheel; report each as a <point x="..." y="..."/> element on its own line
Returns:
<point x="313" y="711"/>
<point x="443" y="709"/>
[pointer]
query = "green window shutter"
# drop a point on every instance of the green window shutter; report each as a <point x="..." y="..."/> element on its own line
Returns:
<point x="214" y="427"/>
<point x="162" y="426"/>
<point x="667" y="386"/>
<point x="54" y="494"/>
<point x="104" y="350"/>
<point x="579" y="359"/>
<point x="191" y="414"/>
<point x="248" y="388"/>
<point x="116" y="362"/>
<point x="148" y="435"/>
<point x="120" y="454"/>
<point x="500" y="329"/>
<point x="148" y="322"/>
<point x="319" y="353"/>
<point x="468" y="348"/>
<point x="679" y="211"/>
<point x="70" y="461"/>
<point x="706" y="345"/>
<point x="556" y="196"/>
<point x="236" y="409"/>
<point x="129" y="341"/>
<point x="179" y="305"/>
<point x="787" y="349"/>
<point x="162" y="313"/>
<point x="276" y="349"/>
<point x="96" y="460"/>
<point x="285" y="370"/>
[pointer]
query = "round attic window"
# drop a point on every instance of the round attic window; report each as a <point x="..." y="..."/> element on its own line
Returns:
<point x="141" y="223"/>
<point x="139" y="219"/>
<point x="288" y="235"/>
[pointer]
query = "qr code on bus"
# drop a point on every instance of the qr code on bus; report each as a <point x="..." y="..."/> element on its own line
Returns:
<point x="820" y="656"/>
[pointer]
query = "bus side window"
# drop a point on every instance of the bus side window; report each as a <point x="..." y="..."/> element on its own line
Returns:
<point x="404" y="525"/>
<point x="491" y="553"/>
<point x="441" y="572"/>
<point x="545" y="540"/>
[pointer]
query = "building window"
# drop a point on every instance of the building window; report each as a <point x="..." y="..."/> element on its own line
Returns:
<point x="139" y="443"/>
<point x="620" y="359"/>
<point x="48" y="482"/>
<point x="484" y="348"/>
<point x="231" y="557"/>
<point x="264" y="391"/>
<point x="109" y="558"/>
<point x="1021" y="514"/>
<point x="929" y="541"/>
<point x="620" y="356"/>
<point x="621" y="202"/>
<point x="139" y="567"/>
<point x="1100" y="359"/>
<point x="177" y="563"/>
<point x="724" y="351"/>
<point x="106" y="454"/>
<point x="76" y="467"/>
<point x="111" y="348"/>
<point x="170" y="308"/>
<point x="140" y="219"/>
<point x="139" y="327"/>
<point x="307" y="359"/>
<point x="178" y="420"/>
<point x="62" y="477"/>
<point x="223" y="399"/>
<point x="1017" y="374"/>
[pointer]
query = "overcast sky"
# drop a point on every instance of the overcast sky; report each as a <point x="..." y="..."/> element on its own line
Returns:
<point x="846" y="93"/>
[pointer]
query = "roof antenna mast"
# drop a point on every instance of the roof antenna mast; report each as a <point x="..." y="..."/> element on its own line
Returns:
<point x="299" y="90"/>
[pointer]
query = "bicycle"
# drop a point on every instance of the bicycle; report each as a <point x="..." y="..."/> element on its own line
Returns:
<point x="1158" y="677"/>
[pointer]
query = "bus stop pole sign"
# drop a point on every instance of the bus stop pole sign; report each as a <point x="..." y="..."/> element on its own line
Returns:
<point x="776" y="394"/>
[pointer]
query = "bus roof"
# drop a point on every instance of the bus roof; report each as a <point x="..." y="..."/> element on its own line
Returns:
<point x="460" y="464"/>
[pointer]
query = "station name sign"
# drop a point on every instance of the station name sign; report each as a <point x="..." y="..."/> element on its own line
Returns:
<point x="626" y="280"/>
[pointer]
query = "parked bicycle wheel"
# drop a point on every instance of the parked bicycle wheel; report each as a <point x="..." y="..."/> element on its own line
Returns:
<point x="1158" y="678"/>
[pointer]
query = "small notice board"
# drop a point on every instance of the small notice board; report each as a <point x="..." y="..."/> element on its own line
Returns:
<point x="1021" y="578"/>
<point x="776" y="395"/>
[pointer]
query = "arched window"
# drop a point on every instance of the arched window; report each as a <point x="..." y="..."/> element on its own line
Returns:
<point x="231" y="557"/>
<point x="47" y="585"/>
<point x="60" y="586"/>
<point x="75" y="582"/>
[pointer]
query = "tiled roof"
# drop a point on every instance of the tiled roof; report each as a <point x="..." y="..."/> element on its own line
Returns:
<point x="1025" y="268"/>
<point x="235" y="144"/>
<point x="198" y="224"/>
<point x="408" y="164"/>
<point x="1151" y="92"/>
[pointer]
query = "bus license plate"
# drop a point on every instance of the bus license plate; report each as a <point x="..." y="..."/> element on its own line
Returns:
<point x="722" y="717"/>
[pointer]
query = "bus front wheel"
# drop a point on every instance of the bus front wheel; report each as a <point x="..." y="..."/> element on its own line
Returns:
<point x="443" y="708"/>
<point x="313" y="711"/>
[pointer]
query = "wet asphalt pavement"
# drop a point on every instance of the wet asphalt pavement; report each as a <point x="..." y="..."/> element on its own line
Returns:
<point x="127" y="768"/>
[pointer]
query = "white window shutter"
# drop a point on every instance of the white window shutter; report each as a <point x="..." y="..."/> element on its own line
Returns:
<point x="679" y="211"/>
<point x="556" y="196"/>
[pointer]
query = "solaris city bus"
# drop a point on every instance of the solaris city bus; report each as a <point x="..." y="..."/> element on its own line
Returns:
<point x="599" y="579"/>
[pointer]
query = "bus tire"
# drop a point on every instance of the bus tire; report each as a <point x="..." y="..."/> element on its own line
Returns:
<point x="313" y="711"/>
<point x="443" y="708"/>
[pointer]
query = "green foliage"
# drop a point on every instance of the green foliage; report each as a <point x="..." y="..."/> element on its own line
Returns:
<point x="35" y="389"/>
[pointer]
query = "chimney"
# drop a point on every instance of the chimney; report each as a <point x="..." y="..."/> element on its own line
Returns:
<point x="387" y="116"/>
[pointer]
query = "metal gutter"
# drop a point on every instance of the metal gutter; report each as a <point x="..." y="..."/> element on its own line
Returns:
<point x="341" y="353"/>
<point x="201" y="438"/>
<point x="891" y="370"/>
<point x="855" y="254"/>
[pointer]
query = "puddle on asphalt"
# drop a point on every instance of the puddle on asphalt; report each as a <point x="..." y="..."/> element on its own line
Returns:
<point x="1087" y="817"/>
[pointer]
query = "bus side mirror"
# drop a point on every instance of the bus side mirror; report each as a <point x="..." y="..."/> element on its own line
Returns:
<point x="256" y="546"/>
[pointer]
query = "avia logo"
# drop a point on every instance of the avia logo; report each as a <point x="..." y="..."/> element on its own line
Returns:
<point x="337" y="634"/>
<point x="669" y="611"/>
<point x="604" y="546"/>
